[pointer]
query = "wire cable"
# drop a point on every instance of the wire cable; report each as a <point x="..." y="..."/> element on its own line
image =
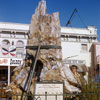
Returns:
<point x="81" y="19"/>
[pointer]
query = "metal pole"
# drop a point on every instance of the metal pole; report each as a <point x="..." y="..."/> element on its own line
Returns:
<point x="32" y="73"/>
<point x="56" y="96"/>
<point x="26" y="81"/>
<point x="8" y="75"/>
<point x="45" y="95"/>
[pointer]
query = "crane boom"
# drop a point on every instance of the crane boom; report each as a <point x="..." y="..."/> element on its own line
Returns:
<point x="69" y="21"/>
<point x="75" y="10"/>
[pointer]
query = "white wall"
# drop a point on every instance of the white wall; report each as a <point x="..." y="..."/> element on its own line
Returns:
<point x="13" y="32"/>
<point x="15" y="41"/>
<point x="90" y="30"/>
<point x="14" y="26"/>
<point x="72" y="50"/>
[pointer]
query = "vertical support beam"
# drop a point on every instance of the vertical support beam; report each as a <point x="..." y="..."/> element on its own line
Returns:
<point x="32" y="73"/>
<point x="77" y="38"/>
<point x="99" y="69"/>
<point x="9" y="75"/>
<point x="33" y="70"/>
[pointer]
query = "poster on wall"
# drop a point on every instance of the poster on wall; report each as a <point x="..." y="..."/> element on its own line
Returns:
<point x="8" y="50"/>
<point x="49" y="91"/>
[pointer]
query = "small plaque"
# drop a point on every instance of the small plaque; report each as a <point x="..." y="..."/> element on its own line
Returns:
<point x="49" y="91"/>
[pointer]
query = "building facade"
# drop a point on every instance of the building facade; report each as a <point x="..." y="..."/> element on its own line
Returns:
<point x="13" y="40"/>
<point x="76" y="46"/>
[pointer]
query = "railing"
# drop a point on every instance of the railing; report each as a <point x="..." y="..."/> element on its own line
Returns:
<point x="9" y="96"/>
<point x="69" y="96"/>
<point x="83" y="96"/>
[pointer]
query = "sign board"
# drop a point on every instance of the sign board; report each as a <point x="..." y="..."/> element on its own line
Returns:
<point x="74" y="62"/>
<point x="10" y="62"/>
<point x="49" y="91"/>
<point x="4" y="61"/>
<point x="16" y="62"/>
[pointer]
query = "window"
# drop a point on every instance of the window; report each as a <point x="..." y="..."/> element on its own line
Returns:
<point x="84" y="47"/>
<point x="20" y="44"/>
<point x="84" y="39"/>
<point x="5" y="47"/>
<point x="3" y="74"/>
<point x="72" y="38"/>
<point x="20" y="48"/>
<point x="5" y="43"/>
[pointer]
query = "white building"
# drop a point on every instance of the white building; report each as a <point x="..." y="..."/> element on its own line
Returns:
<point x="76" y="44"/>
<point x="13" y="40"/>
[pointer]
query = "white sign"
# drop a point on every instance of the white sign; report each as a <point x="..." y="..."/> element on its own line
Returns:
<point x="4" y="61"/>
<point x="16" y="62"/>
<point x="10" y="62"/>
<point x="49" y="91"/>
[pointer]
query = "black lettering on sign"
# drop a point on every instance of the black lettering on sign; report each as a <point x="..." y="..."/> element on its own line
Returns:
<point x="15" y="61"/>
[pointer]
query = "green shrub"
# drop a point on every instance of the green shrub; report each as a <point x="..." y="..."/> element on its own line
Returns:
<point x="90" y="91"/>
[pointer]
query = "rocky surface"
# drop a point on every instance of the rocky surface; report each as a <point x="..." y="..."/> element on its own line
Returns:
<point x="45" y="30"/>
